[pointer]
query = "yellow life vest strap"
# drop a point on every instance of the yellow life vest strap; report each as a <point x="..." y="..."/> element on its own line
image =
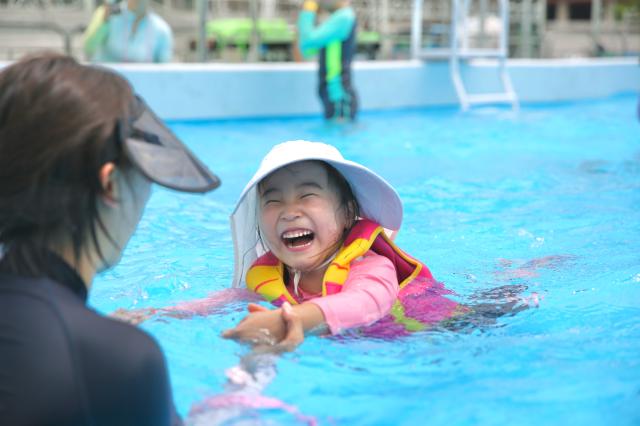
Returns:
<point x="266" y="275"/>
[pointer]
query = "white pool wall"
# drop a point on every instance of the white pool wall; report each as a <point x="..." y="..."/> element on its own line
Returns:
<point x="226" y="91"/>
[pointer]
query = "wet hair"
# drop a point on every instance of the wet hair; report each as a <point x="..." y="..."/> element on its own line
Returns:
<point x="57" y="123"/>
<point x="346" y="199"/>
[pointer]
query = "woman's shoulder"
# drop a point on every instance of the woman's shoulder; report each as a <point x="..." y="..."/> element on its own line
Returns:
<point x="134" y="361"/>
<point x="120" y="339"/>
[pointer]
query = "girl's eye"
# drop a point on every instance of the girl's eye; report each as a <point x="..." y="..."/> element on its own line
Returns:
<point x="308" y="195"/>
<point x="267" y="202"/>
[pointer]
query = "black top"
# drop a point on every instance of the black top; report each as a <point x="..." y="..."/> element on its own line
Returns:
<point x="62" y="363"/>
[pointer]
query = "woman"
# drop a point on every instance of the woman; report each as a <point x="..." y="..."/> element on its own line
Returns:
<point x="78" y="154"/>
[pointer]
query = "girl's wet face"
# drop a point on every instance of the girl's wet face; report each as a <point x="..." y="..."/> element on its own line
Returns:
<point x="301" y="217"/>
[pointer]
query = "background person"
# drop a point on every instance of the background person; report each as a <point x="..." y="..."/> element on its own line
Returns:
<point x="128" y="32"/>
<point x="336" y="40"/>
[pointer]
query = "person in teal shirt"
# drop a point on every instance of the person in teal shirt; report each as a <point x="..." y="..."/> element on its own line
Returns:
<point x="128" y="32"/>
<point x="335" y="39"/>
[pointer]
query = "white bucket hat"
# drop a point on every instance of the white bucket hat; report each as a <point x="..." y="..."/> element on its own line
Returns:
<point x="377" y="199"/>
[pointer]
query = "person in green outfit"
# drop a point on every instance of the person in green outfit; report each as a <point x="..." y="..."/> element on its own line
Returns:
<point x="336" y="40"/>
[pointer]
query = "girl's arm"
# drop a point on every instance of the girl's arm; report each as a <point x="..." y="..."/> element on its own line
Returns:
<point x="368" y="295"/>
<point x="209" y="304"/>
<point x="188" y="309"/>
<point x="267" y="326"/>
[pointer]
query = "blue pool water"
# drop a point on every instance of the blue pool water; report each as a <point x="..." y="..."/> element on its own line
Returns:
<point x="486" y="193"/>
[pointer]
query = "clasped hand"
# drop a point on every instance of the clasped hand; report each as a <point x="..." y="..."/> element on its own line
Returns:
<point x="278" y="329"/>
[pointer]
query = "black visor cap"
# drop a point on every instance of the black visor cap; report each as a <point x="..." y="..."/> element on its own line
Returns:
<point x="163" y="158"/>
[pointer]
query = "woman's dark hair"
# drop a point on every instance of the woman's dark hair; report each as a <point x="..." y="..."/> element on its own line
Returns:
<point x="57" y="120"/>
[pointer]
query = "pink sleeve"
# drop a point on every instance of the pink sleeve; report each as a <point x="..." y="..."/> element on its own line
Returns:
<point x="212" y="302"/>
<point x="368" y="294"/>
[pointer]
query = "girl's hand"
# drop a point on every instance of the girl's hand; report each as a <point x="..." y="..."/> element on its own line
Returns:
<point x="261" y="326"/>
<point x="295" y="329"/>
<point x="279" y="329"/>
<point x="294" y="336"/>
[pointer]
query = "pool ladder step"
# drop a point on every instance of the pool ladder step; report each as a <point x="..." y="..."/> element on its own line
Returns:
<point x="480" y="53"/>
<point x="491" y="98"/>
<point x="460" y="52"/>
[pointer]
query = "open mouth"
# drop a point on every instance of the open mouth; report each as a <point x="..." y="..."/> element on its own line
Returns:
<point x="298" y="238"/>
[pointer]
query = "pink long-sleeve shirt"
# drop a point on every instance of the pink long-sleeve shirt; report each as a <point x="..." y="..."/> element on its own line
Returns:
<point x="367" y="295"/>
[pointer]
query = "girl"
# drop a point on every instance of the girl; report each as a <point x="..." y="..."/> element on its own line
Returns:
<point x="310" y="229"/>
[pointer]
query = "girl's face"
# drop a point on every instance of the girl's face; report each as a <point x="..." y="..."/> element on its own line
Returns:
<point x="300" y="214"/>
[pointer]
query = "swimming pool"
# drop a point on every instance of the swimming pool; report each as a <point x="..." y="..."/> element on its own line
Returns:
<point x="485" y="194"/>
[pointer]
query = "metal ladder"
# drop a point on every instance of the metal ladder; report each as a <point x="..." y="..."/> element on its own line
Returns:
<point x="460" y="51"/>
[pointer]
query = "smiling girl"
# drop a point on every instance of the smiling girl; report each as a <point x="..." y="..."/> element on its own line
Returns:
<point x="310" y="229"/>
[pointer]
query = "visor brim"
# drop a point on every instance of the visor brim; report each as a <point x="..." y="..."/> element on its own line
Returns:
<point x="163" y="158"/>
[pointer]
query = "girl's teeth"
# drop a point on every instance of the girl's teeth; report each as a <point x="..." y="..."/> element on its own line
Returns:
<point x="300" y="238"/>
<point x="295" y="234"/>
